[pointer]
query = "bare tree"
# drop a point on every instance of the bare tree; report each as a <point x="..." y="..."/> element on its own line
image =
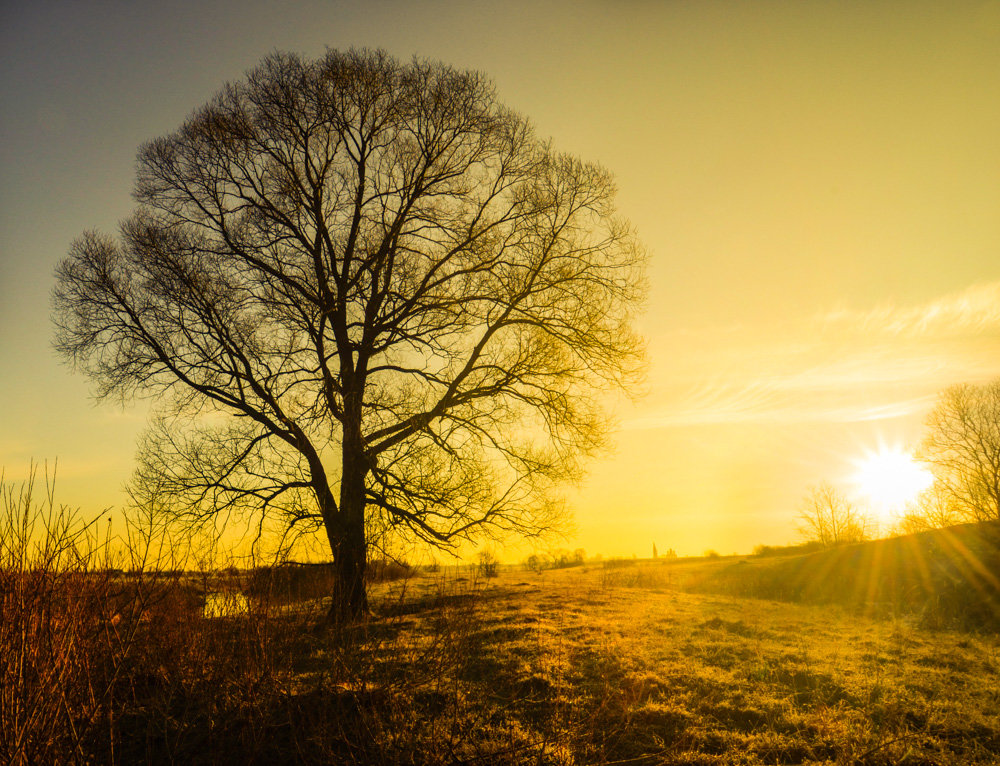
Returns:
<point x="366" y="297"/>
<point x="962" y="447"/>
<point x="935" y="508"/>
<point x="830" y="518"/>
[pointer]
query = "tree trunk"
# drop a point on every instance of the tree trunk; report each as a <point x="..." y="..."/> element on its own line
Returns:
<point x="350" y="596"/>
<point x="347" y="538"/>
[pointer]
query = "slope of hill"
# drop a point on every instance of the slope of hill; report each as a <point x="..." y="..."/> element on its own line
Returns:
<point x="949" y="577"/>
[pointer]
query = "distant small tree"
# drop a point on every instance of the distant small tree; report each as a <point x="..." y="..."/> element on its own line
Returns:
<point x="830" y="518"/>
<point x="535" y="563"/>
<point x="489" y="565"/>
<point x="654" y="550"/>
<point x="962" y="447"/>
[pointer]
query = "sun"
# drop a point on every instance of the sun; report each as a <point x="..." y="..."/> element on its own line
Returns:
<point x="890" y="478"/>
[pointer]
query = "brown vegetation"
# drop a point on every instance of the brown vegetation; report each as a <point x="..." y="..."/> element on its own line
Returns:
<point x="616" y="663"/>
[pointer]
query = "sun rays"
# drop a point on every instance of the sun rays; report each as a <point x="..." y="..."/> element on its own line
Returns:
<point x="889" y="479"/>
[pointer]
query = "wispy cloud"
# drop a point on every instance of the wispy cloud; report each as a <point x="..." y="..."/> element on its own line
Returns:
<point x="973" y="311"/>
<point x="841" y="366"/>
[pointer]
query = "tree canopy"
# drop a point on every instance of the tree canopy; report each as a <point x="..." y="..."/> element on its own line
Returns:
<point x="962" y="446"/>
<point x="364" y="294"/>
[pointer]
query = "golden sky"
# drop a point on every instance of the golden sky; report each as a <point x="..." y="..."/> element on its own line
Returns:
<point x="818" y="185"/>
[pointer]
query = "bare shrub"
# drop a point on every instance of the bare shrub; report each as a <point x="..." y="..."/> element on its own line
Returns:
<point x="831" y="519"/>
<point x="103" y="658"/>
<point x="68" y="623"/>
<point x="388" y="570"/>
<point x="563" y="559"/>
<point x="556" y="559"/>
<point x="489" y="565"/>
<point x="291" y="582"/>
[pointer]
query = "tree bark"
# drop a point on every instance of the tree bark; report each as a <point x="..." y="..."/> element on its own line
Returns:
<point x="350" y="597"/>
<point x="348" y="541"/>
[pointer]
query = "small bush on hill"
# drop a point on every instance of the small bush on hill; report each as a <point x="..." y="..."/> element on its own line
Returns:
<point x="787" y="550"/>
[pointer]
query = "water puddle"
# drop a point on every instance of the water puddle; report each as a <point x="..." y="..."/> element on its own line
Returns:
<point x="229" y="603"/>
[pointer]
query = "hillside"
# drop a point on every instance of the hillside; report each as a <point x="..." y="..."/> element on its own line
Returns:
<point x="947" y="577"/>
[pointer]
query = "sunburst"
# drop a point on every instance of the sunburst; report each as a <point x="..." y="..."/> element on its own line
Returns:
<point x="890" y="479"/>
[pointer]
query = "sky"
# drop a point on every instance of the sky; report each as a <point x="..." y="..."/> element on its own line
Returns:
<point x="817" y="184"/>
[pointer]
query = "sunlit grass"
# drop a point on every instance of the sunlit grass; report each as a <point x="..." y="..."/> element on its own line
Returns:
<point x="942" y="578"/>
<point x="660" y="661"/>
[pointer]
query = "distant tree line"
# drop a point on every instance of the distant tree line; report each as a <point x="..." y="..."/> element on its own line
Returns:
<point x="559" y="559"/>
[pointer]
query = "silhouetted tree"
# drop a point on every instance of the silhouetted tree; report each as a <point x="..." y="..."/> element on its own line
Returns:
<point x="935" y="508"/>
<point x="830" y="518"/>
<point x="366" y="297"/>
<point x="962" y="447"/>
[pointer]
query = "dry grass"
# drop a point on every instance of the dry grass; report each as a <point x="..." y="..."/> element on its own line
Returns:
<point x="680" y="677"/>
<point x="589" y="665"/>
<point x="944" y="577"/>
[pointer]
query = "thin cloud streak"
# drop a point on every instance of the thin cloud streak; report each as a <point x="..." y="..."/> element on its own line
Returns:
<point x="973" y="311"/>
<point x="843" y="366"/>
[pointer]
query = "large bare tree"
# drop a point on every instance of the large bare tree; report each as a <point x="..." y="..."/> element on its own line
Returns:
<point x="363" y="293"/>
<point x="962" y="447"/>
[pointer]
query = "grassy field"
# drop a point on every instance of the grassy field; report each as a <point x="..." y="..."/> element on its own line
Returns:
<point x="943" y="578"/>
<point x="597" y="665"/>
<point x="629" y="662"/>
